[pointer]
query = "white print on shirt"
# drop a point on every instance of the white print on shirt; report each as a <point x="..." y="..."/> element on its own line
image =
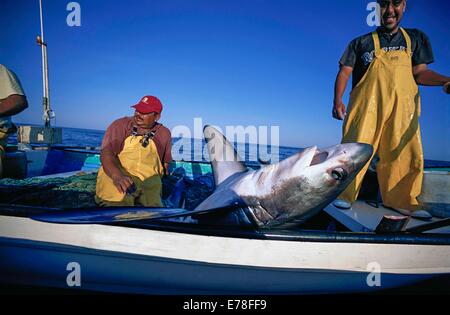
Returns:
<point x="368" y="56"/>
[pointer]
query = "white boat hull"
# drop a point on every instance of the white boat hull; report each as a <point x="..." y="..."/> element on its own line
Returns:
<point x="132" y="260"/>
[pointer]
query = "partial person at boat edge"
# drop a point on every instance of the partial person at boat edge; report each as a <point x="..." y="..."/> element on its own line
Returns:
<point x="387" y="66"/>
<point x="12" y="102"/>
<point x="135" y="154"/>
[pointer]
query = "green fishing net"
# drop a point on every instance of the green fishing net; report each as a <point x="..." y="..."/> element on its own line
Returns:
<point x="78" y="191"/>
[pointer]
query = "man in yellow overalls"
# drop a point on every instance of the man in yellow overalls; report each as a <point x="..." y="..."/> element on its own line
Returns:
<point x="135" y="154"/>
<point x="384" y="106"/>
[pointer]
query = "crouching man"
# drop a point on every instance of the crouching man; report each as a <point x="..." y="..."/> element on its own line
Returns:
<point x="135" y="154"/>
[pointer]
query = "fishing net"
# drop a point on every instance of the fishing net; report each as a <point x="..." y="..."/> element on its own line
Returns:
<point x="78" y="191"/>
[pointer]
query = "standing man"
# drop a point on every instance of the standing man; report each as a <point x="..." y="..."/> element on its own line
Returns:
<point x="384" y="106"/>
<point x="12" y="102"/>
<point x="135" y="154"/>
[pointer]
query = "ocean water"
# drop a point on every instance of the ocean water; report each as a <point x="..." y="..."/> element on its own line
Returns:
<point x="195" y="149"/>
<point x="182" y="148"/>
<point x="75" y="137"/>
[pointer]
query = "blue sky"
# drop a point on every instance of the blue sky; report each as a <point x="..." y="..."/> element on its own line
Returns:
<point x="247" y="62"/>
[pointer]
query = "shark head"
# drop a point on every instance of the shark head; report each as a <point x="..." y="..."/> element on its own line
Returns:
<point x="293" y="190"/>
<point x="300" y="186"/>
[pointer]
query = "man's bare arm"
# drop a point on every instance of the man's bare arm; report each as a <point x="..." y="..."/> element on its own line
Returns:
<point x="13" y="105"/>
<point x="340" y="85"/>
<point x="428" y="77"/>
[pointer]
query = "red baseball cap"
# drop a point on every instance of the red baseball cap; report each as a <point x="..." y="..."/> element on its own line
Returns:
<point x="149" y="104"/>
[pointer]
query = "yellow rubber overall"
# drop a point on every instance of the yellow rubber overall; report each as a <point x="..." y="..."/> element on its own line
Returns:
<point x="384" y="110"/>
<point x="143" y="165"/>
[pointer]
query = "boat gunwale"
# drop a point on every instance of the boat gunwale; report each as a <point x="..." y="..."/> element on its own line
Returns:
<point x="291" y="235"/>
<point x="298" y="235"/>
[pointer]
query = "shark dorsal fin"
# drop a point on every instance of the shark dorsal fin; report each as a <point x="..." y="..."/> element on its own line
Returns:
<point x="225" y="160"/>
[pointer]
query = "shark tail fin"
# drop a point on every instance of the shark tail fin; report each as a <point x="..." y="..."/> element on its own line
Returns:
<point x="225" y="160"/>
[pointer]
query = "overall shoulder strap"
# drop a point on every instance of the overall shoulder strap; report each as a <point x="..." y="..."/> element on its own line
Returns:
<point x="408" y="41"/>
<point x="376" y="42"/>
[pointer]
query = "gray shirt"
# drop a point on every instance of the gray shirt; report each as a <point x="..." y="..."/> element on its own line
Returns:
<point x="9" y="85"/>
<point x="360" y="52"/>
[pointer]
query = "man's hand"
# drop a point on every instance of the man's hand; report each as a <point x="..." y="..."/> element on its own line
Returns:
<point x="111" y="166"/>
<point x="339" y="110"/>
<point x="166" y="169"/>
<point x="122" y="183"/>
<point x="342" y="78"/>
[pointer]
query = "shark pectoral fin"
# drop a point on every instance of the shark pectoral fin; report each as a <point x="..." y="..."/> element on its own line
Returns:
<point x="225" y="160"/>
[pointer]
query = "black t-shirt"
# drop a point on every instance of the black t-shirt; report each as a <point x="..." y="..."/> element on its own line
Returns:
<point x="360" y="52"/>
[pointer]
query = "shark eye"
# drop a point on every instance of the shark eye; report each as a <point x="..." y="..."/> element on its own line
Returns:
<point x="339" y="174"/>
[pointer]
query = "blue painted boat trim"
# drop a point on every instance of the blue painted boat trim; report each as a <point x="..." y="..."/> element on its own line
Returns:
<point x="45" y="264"/>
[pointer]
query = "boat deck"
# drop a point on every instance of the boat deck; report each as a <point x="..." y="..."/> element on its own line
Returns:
<point x="363" y="217"/>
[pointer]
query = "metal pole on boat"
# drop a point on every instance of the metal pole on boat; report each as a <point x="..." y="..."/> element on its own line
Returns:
<point x="48" y="113"/>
